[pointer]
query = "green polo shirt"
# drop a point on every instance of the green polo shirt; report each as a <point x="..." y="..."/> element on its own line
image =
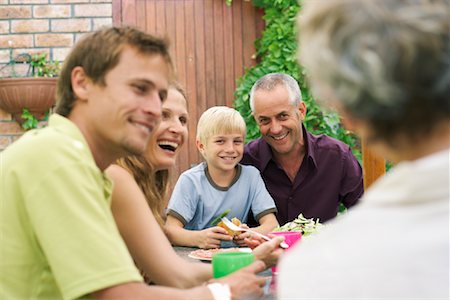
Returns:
<point x="57" y="233"/>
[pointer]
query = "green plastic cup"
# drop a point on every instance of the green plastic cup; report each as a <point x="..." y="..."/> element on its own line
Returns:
<point x="227" y="262"/>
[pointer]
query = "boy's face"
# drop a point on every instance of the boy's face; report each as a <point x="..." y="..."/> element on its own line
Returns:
<point x="222" y="152"/>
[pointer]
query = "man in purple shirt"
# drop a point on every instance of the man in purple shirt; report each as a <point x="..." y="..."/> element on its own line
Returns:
<point x="304" y="173"/>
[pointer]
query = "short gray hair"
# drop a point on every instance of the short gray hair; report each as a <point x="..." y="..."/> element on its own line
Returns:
<point x="387" y="62"/>
<point x="270" y="81"/>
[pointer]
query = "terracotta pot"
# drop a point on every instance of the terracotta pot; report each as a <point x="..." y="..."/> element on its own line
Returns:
<point x="37" y="94"/>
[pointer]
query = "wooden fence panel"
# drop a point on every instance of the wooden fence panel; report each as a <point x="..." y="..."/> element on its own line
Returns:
<point x="211" y="44"/>
<point x="374" y="166"/>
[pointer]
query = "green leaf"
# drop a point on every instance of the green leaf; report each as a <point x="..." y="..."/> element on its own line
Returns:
<point x="217" y="220"/>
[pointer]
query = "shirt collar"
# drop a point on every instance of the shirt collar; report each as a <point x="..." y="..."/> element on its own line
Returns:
<point x="74" y="136"/>
<point x="310" y="140"/>
<point x="70" y="130"/>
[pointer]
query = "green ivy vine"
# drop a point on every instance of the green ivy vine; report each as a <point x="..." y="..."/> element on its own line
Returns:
<point x="276" y="52"/>
<point x="30" y="121"/>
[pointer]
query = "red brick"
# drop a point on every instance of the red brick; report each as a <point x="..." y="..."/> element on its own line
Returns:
<point x="70" y="1"/>
<point x="78" y="36"/>
<point x="29" y="26"/>
<point x="4" y="27"/>
<point x="100" y="22"/>
<point x="51" y="11"/>
<point x="15" y="12"/>
<point x="4" y="56"/>
<point x="54" y="40"/>
<point x="31" y="51"/>
<point x="5" y="141"/>
<point x="93" y="10"/>
<point x="14" y="70"/>
<point x="16" y="41"/>
<point x="4" y="116"/>
<point x="71" y="25"/>
<point x="15" y="137"/>
<point x="28" y="1"/>
<point x="60" y="54"/>
<point x="10" y="128"/>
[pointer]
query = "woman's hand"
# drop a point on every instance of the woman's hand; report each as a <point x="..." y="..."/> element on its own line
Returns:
<point x="245" y="283"/>
<point x="240" y="238"/>
<point x="267" y="251"/>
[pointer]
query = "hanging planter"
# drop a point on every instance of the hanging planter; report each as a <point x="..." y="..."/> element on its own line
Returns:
<point x="37" y="94"/>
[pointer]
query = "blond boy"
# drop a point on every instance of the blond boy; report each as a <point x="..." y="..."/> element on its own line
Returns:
<point x="218" y="184"/>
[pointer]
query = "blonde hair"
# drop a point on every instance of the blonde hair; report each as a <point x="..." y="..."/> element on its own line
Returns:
<point x="153" y="184"/>
<point x="219" y="120"/>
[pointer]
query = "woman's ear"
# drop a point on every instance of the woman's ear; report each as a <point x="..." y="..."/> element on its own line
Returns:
<point x="80" y="83"/>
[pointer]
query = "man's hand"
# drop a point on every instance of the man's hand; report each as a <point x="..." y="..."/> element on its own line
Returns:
<point x="267" y="251"/>
<point x="210" y="238"/>
<point x="245" y="284"/>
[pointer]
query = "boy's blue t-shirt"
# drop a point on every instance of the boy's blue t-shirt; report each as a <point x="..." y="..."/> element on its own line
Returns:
<point x="196" y="200"/>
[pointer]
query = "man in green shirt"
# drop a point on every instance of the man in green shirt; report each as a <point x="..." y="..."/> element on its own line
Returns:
<point x="58" y="236"/>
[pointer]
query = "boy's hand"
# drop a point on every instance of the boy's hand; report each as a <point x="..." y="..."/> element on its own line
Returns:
<point x="210" y="238"/>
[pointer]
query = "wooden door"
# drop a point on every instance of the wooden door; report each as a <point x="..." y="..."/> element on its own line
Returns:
<point x="211" y="44"/>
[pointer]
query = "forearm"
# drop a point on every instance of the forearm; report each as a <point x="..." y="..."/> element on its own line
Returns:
<point x="188" y="274"/>
<point x="198" y="273"/>
<point x="181" y="237"/>
<point x="141" y="291"/>
<point x="267" y="224"/>
<point x="172" y="270"/>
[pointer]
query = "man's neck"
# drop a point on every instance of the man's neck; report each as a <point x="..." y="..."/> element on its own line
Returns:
<point x="102" y="154"/>
<point x="291" y="162"/>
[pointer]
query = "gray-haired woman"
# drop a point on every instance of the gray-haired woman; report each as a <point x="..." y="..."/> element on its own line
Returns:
<point x="386" y="66"/>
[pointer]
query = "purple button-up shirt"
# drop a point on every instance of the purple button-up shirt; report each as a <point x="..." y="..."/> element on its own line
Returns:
<point x="328" y="175"/>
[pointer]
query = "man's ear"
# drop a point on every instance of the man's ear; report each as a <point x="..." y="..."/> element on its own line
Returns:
<point x="302" y="110"/>
<point x="80" y="83"/>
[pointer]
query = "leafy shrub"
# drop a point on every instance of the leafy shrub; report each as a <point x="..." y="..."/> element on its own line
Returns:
<point x="276" y="51"/>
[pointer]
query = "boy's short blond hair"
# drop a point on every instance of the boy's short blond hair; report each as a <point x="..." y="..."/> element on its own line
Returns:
<point x="219" y="120"/>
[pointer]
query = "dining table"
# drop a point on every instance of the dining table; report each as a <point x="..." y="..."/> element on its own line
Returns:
<point x="269" y="288"/>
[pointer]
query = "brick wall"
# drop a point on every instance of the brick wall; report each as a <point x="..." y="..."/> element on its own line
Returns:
<point x="36" y="26"/>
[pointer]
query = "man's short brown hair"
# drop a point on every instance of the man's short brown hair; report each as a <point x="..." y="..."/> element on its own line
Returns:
<point x="99" y="52"/>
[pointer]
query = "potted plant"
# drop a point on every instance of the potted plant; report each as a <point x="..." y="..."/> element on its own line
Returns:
<point x="32" y="95"/>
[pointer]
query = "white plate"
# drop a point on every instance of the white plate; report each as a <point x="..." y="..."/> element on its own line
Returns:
<point x="206" y="254"/>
